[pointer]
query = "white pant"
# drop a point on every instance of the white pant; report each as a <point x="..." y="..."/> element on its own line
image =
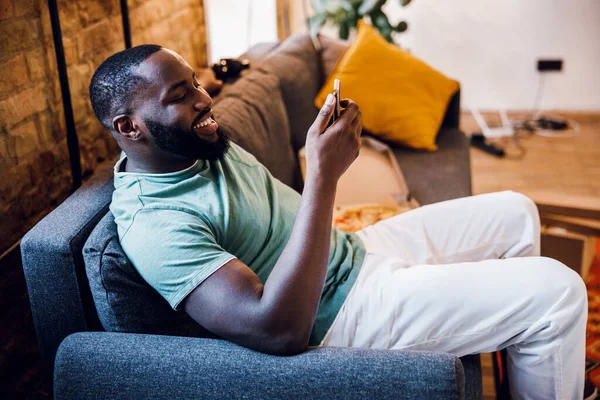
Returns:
<point x="465" y="277"/>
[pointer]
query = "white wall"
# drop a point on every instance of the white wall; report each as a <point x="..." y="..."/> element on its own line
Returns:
<point x="491" y="47"/>
<point x="227" y="26"/>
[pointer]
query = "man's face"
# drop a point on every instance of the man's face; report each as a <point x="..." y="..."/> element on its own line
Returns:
<point x="177" y="110"/>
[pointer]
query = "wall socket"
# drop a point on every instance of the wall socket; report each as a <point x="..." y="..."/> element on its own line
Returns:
<point x="547" y="65"/>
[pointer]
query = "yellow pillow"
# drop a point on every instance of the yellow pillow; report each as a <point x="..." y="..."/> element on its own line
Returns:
<point x="402" y="99"/>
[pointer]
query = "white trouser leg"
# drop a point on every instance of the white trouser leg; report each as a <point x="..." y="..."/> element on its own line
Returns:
<point x="489" y="226"/>
<point x="533" y="306"/>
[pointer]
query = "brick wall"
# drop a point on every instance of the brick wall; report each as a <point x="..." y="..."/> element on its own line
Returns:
<point x="34" y="162"/>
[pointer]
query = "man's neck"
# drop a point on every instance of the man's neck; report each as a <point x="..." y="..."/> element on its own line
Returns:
<point x="155" y="167"/>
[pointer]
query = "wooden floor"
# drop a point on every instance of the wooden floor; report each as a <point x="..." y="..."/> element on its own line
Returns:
<point x="554" y="167"/>
<point x="558" y="170"/>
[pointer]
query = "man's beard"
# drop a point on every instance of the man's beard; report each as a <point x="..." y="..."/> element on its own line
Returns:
<point x="185" y="143"/>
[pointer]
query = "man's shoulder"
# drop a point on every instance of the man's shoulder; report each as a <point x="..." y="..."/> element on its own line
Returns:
<point x="164" y="220"/>
<point x="238" y="154"/>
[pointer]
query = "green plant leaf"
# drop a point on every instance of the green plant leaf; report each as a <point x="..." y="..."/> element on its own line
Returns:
<point x="401" y="27"/>
<point x="386" y="33"/>
<point x="368" y="6"/>
<point x="316" y="22"/>
<point x="346" y="14"/>
<point x="334" y="6"/>
<point x="381" y="21"/>
<point x="352" y="18"/>
<point x="339" y="16"/>
<point x="346" y="5"/>
<point x="320" y="6"/>
<point x="344" y="31"/>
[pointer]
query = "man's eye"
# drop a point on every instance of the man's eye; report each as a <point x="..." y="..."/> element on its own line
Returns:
<point x="179" y="99"/>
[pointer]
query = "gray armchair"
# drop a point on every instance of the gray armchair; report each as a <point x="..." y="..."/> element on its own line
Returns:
<point x="69" y="255"/>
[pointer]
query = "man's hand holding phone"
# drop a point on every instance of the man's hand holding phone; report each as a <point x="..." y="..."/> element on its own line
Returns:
<point x="331" y="150"/>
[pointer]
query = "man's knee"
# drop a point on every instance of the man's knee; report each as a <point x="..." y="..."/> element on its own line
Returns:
<point x="521" y="204"/>
<point x="519" y="217"/>
<point x="565" y="283"/>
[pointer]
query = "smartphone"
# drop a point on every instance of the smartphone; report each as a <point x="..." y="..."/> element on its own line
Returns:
<point x="336" y="108"/>
<point x="336" y="94"/>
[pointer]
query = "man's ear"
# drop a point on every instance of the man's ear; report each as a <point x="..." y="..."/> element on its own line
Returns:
<point x="125" y="126"/>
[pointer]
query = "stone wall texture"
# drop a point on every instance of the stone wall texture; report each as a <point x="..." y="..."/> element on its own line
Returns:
<point x="35" y="173"/>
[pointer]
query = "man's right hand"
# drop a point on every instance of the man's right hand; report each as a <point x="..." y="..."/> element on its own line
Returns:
<point x="330" y="151"/>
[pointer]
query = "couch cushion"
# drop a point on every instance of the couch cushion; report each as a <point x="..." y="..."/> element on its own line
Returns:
<point x="124" y="301"/>
<point x="296" y="64"/>
<point x="331" y="51"/>
<point x="252" y="111"/>
<point x="441" y="175"/>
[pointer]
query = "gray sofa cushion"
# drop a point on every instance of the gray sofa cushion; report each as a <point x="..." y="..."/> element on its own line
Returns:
<point x="252" y="111"/>
<point x="124" y="301"/>
<point x="296" y="63"/>
<point x="439" y="175"/>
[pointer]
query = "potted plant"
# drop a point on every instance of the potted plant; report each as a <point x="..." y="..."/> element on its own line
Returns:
<point x="346" y="13"/>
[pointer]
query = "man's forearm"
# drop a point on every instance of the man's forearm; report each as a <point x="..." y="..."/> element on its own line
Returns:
<point x="293" y="289"/>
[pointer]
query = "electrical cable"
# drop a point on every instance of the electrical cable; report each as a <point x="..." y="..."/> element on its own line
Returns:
<point x="538" y="97"/>
<point x="535" y="123"/>
<point x="522" y="150"/>
<point x="574" y="129"/>
<point x="542" y="125"/>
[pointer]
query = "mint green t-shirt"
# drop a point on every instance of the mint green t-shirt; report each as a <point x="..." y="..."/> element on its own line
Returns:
<point x="179" y="228"/>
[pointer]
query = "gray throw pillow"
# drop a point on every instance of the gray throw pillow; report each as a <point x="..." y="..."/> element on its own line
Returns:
<point x="252" y="111"/>
<point x="124" y="301"/>
<point x="331" y="51"/>
<point x="297" y="64"/>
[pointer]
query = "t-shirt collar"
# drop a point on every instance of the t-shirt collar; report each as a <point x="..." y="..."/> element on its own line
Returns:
<point x="183" y="173"/>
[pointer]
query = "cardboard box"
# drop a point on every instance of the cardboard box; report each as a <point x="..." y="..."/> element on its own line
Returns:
<point x="570" y="226"/>
<point x="573" y="249"/>
<point x="374" y="178"/>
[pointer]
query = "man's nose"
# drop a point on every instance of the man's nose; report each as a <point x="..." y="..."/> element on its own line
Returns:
<point x="202" y="100"/>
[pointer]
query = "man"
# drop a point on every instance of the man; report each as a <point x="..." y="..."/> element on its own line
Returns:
<point x="256" y="263"/>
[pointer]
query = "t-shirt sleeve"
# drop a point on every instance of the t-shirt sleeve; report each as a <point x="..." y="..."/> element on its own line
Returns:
<point x="174" y="251"/>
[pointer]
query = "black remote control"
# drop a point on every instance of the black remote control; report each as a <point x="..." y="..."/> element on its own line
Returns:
<point x="478" y="140"/>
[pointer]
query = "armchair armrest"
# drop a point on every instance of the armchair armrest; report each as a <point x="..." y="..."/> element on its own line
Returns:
<point x="61" y="302"/>
<point x="99" y="365"/>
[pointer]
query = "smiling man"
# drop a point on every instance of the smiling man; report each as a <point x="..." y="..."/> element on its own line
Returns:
<point x="254" y="262"/>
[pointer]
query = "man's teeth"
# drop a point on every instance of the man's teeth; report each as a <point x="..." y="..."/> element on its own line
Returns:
<point x="203" y="123"/>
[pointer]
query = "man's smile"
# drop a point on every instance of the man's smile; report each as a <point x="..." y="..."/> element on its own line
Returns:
<point x="205" y="126"/>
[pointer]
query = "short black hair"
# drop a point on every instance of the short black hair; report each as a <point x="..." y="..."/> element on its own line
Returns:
<point x="114" y="81"/>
